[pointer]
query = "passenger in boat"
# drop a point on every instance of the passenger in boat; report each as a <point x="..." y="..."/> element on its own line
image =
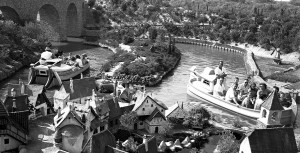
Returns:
<point x="221" y="72"/>
<point x="262" y="93"/>
<point x="243" y="90"/>
<point x="249" y="101"/>
<point x="72" y="62"/>
<point x="78" y="61"/>
<point x="83" y="58"/>
<point x="219" y="89"/>
<point x="231" y="94"/>
<point x="46" y="55"/>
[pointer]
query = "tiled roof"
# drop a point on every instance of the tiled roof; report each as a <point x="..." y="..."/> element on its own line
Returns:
<point x="171" y="109"/>
<point x="3" y="111"/>
<point x="279" y="140"/>
<point x="21" y="103"/>
<point x="152" y="146"/>
<point x="156" y="113"/>
<point x="64" y="114"/>
<point x="98" y="142"/>
<point x="21" y="120"/>
<point x="114" y="108"/>
<point x="126" y="108"/>
<point x="272" y="102"/>
<point x="82" y="87"/>
<point x="176" y="111"/>
<point x="140" y="102"/>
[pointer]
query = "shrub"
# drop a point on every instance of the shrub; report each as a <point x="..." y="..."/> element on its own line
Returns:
<point x="237" y="123"/>
<point x="127" y="40"/>
<point x="227" y="143"/>
<point x="284" y="77"/>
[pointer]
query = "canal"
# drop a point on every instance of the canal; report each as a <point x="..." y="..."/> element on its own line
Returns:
<point x="173" y="87"/>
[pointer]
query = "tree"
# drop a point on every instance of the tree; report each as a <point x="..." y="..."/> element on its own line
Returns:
<point x="235" y="35"/>
<point x="152" y="34"/>
<point x="91" y="3"/>
<point x="128" y="119"/>
<point x="166" y="127"/>
<point x="227" y="143"/>
<point x="250" y="38"/>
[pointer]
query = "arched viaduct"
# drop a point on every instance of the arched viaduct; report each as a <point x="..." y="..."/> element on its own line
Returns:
<point x="65" y="16"/>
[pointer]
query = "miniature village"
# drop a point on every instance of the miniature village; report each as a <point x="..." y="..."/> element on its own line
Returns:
<point x="87" y="114"/>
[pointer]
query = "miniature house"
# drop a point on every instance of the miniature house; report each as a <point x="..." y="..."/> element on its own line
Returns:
<point x="271" y="112"/>
<point x="78" y="91"/>
<point x="279" y="140"/>
<point x="36" y="96"/>
<point x="68" y="130"/>
<point x="13" y="128"/>
<point x="176" y="111"/>
<point x="151" y="115"/>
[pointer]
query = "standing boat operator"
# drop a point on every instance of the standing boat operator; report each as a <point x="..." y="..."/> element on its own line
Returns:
<point x="46" y="55"/>
<point x="221" y="72"/>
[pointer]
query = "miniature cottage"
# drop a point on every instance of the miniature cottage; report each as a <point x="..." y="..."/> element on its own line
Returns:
<point x="271" y="112"/>
<point x="36" y="96"/>
<point x="279" y="140"/>
<point x="68" y="130"/>
<point x="78" y="91"/>
<point x="151" y="115"/>
<point x="176" y="111"/>
<point x="13" y="132"/>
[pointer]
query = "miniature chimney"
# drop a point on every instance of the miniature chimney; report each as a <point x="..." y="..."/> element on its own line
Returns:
<point x="145" y="141"/>
<point x="22" y="88"/>
<point x="58" y="112"/>
<point x="71" y="85"/>
<point x="93" y="95"/>
<point x="14" y="106"/>
<point x="13" y="92"/>
<point x="81" y="76"/>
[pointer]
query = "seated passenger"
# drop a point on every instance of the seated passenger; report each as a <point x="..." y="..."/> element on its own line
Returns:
<point x="46" y="55"/>
<point x="72" y="62"/>
<point x="285" y="99"/>
<point x="219" y="89"/>
<point x="249" y="101"/>
<point x="78" y="61"/>
<point x="83" y="58"/>
<point x="243" y="90"/>
<point x="231" y="94"/>
<point x="262" y="95"/>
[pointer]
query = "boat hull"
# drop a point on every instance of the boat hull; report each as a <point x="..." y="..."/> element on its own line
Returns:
<point x="199" y="94"/>
<point x="46" y="76"/>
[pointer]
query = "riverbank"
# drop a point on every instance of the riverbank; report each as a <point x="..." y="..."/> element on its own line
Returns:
<point x="9" y="66"/>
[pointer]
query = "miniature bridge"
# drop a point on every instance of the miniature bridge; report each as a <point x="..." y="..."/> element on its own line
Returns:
<point x="65" y="16"/>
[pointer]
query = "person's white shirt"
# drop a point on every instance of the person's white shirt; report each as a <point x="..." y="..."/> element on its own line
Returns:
<point x="219" y="71"/>
<point x="46" y="55"/>
<point x="79" y="61"/>
<point x="219" y="89"/>
<point x="230" y="94"/>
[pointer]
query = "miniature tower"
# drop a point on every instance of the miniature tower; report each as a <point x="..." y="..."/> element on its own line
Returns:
<point x="270" y="112"/>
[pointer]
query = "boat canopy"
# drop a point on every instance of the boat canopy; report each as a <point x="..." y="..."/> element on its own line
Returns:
<point x="208" y="74"/>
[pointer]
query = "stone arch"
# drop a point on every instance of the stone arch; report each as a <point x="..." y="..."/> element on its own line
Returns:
<point x="72" y="20"/>
<point x="49" y="14"/>
<point x="10" y="14"/>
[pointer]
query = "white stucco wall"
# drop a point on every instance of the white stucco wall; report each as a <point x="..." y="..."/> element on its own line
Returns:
<point x="13" y="143"/>
<point x="156" y="122"/>
<point x="149" y="105"/>
<point x="69" y="146"/>
<point x="245" y="146"/>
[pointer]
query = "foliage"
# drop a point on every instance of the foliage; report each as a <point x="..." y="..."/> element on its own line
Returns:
<point x="237" y="123"/>
<point x="152" y="34"/>
<point x="284" y="77"/>
<point x="128" y="119"/>
<point x="166" y="127"/>
<point x="197" y="117"/>
<point x="227" y="143"/>
<point x="91" y="3"/>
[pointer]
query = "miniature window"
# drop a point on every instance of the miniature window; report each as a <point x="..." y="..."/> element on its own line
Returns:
<point x="116" y="121"/>
<point x="111" y="123"/>
<point x="101" y="128"/>
<point x="151" y="105"/>
<point x="147" y="101"/>
<point x="206" y="82"/>
<point x="264" y="113"/>
<point x="141" y="123"/>
<point x="95" y="131"/>
<point x="274" y="116"/>
<point x="6" y="141"/>
<point x="143" y="109"/>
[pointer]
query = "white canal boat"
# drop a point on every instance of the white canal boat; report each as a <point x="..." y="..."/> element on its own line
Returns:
<point x="201" y="85"/>
<point x="54" y="68"/>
